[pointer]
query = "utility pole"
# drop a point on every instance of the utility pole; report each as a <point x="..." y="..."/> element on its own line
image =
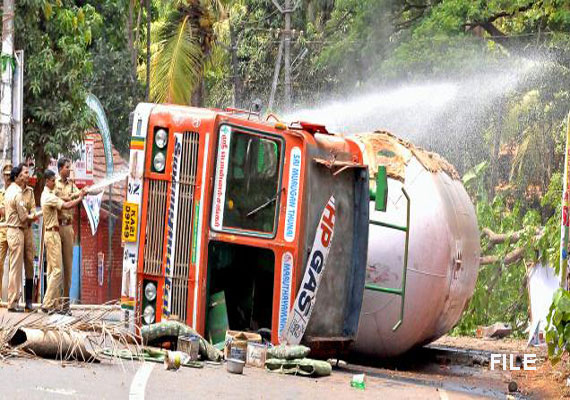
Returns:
<point x="286" y="10"/>
<point x="7" y="64"/>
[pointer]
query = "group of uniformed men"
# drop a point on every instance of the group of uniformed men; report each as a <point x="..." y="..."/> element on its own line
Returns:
<point x="17" y="213"/>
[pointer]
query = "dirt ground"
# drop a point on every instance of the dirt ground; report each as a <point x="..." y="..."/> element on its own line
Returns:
<point x="547" y="382"/>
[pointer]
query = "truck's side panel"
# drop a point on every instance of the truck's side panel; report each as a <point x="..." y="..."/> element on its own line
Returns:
<point x="129" y="292"/>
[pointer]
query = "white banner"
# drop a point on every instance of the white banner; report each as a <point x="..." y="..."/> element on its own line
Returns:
<point x="299" y="317"/>
<point x="92" y="204"/>
<point x="292" y="194"/>
<point x="221" y="175"/>
<point x="286" y="282"/>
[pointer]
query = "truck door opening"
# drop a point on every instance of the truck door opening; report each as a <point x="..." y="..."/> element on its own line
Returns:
<point x="245" y="275"/>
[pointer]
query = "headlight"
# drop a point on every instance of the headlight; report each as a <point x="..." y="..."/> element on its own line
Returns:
<point x="148" y="314"/>
<point x="159" y="162"/>
<point x="161" y="138"/>
<point x="150" y="291"/>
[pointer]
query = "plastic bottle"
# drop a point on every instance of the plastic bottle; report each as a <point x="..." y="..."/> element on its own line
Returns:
<point x="358" y="381"/>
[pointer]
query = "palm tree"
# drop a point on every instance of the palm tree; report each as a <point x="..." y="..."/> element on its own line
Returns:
<point x="184" y="42"/>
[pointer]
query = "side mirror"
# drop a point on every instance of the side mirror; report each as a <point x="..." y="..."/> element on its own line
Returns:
<point x="381" y="199"/>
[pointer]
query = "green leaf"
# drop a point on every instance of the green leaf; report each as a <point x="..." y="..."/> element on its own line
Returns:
<point x="563" y="304"/>
<point x="48" y="10"/>
<point x="567" y="333"/>
<point x="177" y="65"/>
<point x="551" y="350"/>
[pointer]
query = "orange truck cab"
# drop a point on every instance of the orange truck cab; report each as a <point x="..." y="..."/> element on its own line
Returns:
<point x="228" y="215"/>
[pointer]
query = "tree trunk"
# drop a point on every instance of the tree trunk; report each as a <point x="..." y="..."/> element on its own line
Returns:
<point x="59" y="344"/>
<point x="7" y="74"/>
<point x="235" y="67"/>
<point x="198" y="93"/>
<point x="130" y="39"/>
<point x="138" y="28"/>
<point x="311" y="11"/>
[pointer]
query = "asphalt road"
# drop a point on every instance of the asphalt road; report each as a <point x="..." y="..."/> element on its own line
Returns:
<point x="429" y="374"/>
<point x="45" y="379"/>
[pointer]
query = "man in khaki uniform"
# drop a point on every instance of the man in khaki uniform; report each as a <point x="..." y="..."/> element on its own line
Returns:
<point x="17" y="218"/>
<point x="51" y="206"/>
<point x="30" y="204"/>
<point x="66" y="190"/>
<point x="3" y="240"/>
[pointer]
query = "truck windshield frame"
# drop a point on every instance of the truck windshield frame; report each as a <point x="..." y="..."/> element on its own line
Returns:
<point x="247" y="181"/>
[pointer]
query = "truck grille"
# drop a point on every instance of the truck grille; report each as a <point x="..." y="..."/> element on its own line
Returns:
<point x="183" y="245"/>
<point x="154" y="235"/>
<point x="158" y="192"/>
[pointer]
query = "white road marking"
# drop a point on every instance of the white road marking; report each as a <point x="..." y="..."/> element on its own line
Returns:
<point x="140" y="379"/>
<point x="443" y="394"/>
<point x="65" y="392"/>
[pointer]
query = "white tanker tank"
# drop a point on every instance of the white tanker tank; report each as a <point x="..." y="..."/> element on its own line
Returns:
<point x="443" y="248"/>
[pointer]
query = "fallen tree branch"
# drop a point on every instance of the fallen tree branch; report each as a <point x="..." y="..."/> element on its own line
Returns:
<point x="495" y="238"/>
<point x="511" y="237"/>
<point x="488" y="24"/>
<point x="503" y="14"/>
<point x="511" y="258"/>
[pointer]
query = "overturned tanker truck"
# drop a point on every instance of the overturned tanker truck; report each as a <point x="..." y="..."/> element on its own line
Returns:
<point x="359" y="242"/>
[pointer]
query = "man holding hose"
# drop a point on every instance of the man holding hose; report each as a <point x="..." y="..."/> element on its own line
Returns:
<point x="51" y="206"/>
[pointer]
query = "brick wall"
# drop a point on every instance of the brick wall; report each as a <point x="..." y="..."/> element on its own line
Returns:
<point x="91" y="291"/>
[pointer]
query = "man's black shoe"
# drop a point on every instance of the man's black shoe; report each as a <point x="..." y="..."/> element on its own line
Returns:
<point x="15" y="309"/>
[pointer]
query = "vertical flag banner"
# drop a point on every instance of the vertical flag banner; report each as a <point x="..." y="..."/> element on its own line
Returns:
<point x="101" y="119"/>
<point x="92" y="204"/>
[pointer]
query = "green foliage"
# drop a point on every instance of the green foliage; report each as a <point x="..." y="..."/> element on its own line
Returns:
<point x="55" y="37"/>
<point x="548" y="244"/>
<point x="217" y="71"/>
<point x="177" y="64"/>
<point x="255" y="25"/>
<point x="474" y="179"/>
<point x="352" y="51"/>
<point x="558" y="332"/>
<point x="117" y="89"/>
<point x="184" y="40"/>
<point x="500" y="293"/>
<point x="114" y="13"/>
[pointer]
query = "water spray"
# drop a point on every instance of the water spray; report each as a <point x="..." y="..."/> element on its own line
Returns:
<point x="115" y="178"/>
